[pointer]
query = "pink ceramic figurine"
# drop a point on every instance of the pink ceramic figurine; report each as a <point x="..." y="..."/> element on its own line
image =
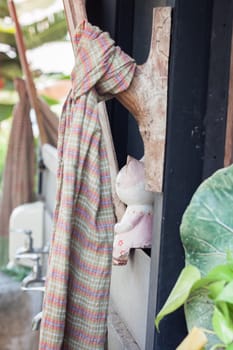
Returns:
<point x="135" y="228"/>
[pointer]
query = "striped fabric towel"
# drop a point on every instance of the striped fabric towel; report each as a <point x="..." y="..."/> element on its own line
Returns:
<point x="78" y="278"/>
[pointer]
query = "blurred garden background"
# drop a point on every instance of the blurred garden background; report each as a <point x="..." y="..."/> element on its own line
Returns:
<point x="50" y="57"/>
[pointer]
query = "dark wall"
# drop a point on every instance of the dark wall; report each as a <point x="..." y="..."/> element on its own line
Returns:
<point x="196" y="122"/>
<point x="197" y="113"/>
<point x="117" y="18"/>
<point x="217" y="98"/>
<point x="188" y="81"/>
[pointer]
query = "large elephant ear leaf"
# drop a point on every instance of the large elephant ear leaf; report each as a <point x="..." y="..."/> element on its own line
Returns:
<point x="207" y="237"/>
<point x="207" y="224"/>
<point x="199" y="312"/>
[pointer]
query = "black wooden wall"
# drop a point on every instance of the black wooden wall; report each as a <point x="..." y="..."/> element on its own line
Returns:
<point x="117" y="17"/>
<point x="197" y="109"/>
<point x="188" y="81"/>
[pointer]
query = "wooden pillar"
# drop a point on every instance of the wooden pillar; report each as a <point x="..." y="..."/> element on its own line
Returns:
<point x="188" y="77"/>
<point x="218" y="86"/>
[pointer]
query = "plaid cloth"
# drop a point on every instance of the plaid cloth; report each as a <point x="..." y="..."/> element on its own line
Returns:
<point x="78" y="278"/>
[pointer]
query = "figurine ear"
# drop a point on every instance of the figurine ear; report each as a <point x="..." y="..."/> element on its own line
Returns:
<point x="129" y="159"/>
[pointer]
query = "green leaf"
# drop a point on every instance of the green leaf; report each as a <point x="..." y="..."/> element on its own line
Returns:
<point x="48" y="29"/>
<point x="222" y="273"/>
<point x="5" y="111"/>
<point x="230" y="257"/>
<point x="222" y="326"/>
<point x="225" y="309"/>
<point x="230" y="347"/>
<point x="198" y="313"/>
<point x="207" y="224"/>
<point x="50" y="101"/>
<point x="226" y="294"/>
<point x="218" y="347"/>
<point x="179" y="294"/>
<point x="215" y="289"/>
<point x="17" y="272"/>
<point x="207" y="236"/>
<point x="10" y="69"/>
<point x="3" y="9"/>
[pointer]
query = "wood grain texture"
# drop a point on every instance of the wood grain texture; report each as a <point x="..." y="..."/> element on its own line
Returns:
<point x="146" y="98"/>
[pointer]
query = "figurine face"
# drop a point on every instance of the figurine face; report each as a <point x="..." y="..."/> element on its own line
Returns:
<point x="130" y="184"/>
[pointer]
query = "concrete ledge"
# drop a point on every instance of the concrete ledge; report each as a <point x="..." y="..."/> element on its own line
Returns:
<point x="119" y="337"/>
<point x="129" y="294"/>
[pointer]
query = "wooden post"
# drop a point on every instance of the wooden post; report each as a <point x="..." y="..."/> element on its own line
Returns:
<point x="218" y="117"/>
<point x="31" y="89"/>
<point x="146" y="98"/>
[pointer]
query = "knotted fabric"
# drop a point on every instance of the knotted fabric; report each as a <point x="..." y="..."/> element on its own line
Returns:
<point x="78" y="278"/>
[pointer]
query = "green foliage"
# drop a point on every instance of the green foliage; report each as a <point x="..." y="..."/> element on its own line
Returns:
<point x="53" y="28"/>
<point x="10" y="70"/>
<point x="50" y="28"/>
<point x="50" y="101"/>
<point x="5" y="112"/>
<point x="3" y="9"/>
<point x="180" y="292"/>
<point x="207" y="224"/>
<point x="207" y="237"/>
<point x="4" y="134"/>
<point x="215" y="290"/>
<point x="8" y="98"/>
<point x="17" y="272"/>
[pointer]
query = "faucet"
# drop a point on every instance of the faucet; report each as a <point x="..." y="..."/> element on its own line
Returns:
<point x="36" y="321"/>
<point x="36" y="275"/>
<point x="28" y="245"/>
<point x="28" y="242"/>
<point x="34" y="289"/>
<point x="33" y="254"/>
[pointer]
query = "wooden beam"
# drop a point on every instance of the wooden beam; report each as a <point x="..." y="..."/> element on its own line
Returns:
<point x="218" y="86"/>
<point x="146" y="98"/>
<point x="31" y="89"/>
